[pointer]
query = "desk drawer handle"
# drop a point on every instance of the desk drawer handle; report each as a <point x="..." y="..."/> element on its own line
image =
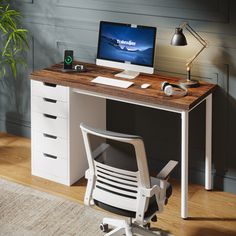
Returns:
<point x="50" y="116"/>
<point x="49" y="84"/>
<point x="50" y="100"/>
<point x="50" y="156"/>
<point x="49" y="136"/>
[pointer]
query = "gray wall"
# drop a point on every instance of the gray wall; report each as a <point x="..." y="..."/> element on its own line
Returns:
<point x="56" y="25"/>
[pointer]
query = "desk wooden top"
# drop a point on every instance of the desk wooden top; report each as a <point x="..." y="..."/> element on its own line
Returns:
<point x="152" y="95"/>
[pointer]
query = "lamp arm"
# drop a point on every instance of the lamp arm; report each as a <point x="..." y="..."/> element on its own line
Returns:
<point x="196" y="36"/>
<point x="189" y="63"/>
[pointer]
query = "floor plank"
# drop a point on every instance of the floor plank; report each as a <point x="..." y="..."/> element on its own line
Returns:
<point x="212" y="213"/>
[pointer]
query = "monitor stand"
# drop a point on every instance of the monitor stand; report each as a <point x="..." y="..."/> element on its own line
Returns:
<point x="128" y="74"/>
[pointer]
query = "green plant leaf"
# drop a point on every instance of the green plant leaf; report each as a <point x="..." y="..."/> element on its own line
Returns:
<point x="13" y="68"/>
<point x="3" y="28"/>
<point x="7" y="44"/>
<point x="13" y="38"/>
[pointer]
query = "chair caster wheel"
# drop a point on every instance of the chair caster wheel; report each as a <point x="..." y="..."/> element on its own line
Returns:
<point x="104" y="227"/>
<point x="147" y="226"/>
<point x="154" y="219"/>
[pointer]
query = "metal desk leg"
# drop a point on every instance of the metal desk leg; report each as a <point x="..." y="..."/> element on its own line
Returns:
<point x="208" y="160"/>
<point x="184" y="164"/>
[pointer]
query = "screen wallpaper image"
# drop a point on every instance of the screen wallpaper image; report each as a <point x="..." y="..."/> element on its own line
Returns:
<point x="123" y="43"/>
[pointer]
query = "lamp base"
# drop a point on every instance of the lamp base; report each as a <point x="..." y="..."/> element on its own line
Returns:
<point x="190" y="83"/>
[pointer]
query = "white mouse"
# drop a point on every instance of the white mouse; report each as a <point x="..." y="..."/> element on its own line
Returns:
<point x="144" y="86"/>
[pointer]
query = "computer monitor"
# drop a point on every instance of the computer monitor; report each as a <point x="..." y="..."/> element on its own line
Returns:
<point x="126" y="46"/>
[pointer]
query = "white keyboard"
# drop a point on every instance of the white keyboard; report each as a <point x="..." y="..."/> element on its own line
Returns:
<point x="112" y="82"/>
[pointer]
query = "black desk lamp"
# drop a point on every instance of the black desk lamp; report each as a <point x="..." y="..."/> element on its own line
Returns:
<point x="179" y="39"/>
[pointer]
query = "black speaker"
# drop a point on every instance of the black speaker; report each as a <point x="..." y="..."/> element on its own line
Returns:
<point x="68" y="59"/>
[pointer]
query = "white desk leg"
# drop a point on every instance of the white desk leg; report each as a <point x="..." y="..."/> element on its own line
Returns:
<point x="208" y="160"/>
<point x="184" y="164"/>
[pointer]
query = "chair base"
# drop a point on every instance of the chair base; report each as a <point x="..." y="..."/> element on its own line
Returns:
<point x="122" y="227"/>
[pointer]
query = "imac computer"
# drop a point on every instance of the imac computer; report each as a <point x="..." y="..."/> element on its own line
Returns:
<point x="128" y="47"/>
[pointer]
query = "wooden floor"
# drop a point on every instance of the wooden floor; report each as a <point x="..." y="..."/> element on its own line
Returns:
<point x="211" y="212"/>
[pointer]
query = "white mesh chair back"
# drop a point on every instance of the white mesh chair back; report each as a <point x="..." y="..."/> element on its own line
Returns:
<point x="110" y="185"/>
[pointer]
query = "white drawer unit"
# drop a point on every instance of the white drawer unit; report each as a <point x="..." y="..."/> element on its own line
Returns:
<point x="49" y="131"/>
<point x="50" y="106"/>
<point x="49" y="124"/>
<point x="51" y="144"/>
<point x="49" y="90"/>
<point x="57" y="147"/>
<point x="50" y="167"/>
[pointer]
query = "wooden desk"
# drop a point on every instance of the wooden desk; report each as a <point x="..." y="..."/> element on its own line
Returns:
<point x="80" y="83"/>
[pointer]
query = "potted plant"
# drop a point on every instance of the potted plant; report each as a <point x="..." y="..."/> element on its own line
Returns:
<point x="13" y="39"/>
<point x="13" y="47"/>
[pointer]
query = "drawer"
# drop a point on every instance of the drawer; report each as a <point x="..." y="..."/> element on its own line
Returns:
<point x="49" y="124"/>
<point x="49" y="106"/>
<point x="44" y="163"/>
<point x="48" y="90"/>
<point x="51" y="144"/>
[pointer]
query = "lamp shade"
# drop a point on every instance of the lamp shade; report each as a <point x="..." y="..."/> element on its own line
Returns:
<point x="178" y="38"/>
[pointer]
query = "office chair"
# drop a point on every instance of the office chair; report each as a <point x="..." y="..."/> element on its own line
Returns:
<point x="119" y="181"/>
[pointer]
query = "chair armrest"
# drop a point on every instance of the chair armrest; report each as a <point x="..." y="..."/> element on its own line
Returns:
<point x="89" y="189"/>
<point x="162" y="184"/>
<point x="165" y="172"/>
<point x="149" y="192"/>
<point x="86" y="174"/>
<point x="144" y="195"/>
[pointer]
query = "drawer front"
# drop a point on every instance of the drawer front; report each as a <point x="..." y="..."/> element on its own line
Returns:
<point x="51" y="144"/>
<point x="49" y="106"/>
<point x="48" y="90"/>
<point x="45" y="163"/>
<point x="49" y="124"/>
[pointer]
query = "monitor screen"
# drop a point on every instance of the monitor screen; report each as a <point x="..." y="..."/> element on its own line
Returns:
<point x="127" y="43"/>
